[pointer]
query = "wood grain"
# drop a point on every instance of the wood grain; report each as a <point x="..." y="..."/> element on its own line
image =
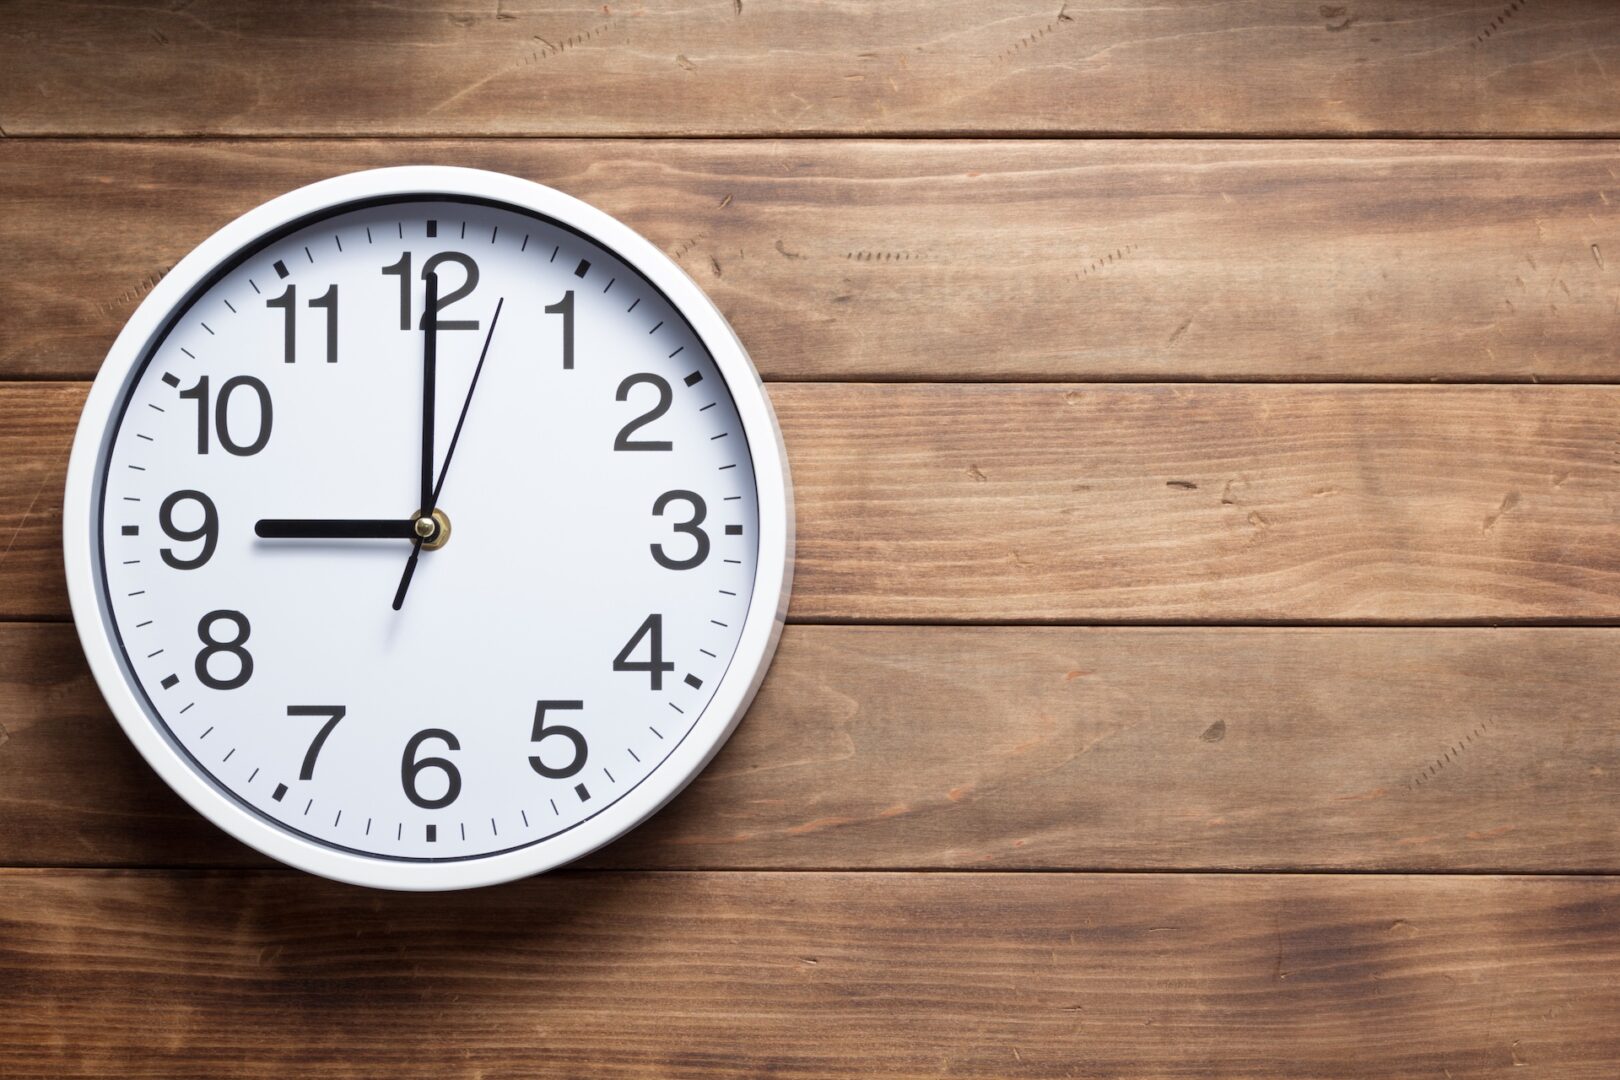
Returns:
<point x="958" y="67"/>
<point x="705" y="975"/>
<point x="1138" y="503"/>
<point x="956" y="261"/>
<point x="1015" y="748"/>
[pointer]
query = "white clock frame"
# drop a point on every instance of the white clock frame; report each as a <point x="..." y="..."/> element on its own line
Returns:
<point x="767" y="606"/>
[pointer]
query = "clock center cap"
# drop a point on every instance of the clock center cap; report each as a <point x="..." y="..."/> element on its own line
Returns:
<point x="434" y="530"/>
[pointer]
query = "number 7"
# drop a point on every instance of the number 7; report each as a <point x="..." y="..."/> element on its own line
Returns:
<point x="336" y="713"/>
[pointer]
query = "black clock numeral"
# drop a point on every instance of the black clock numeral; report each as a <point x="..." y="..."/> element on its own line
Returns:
<point x="410" y="767"/>
<point x="565" y="308"/>
<point x="623" y="441"/>
<point x="691" y="527"/>
<point x="333" y="713"/>
<point x="233" y="646"/>
<point x="207" y="532"/>
<point x="543" y="731"/>
<point x="651" y="628"/>
<point x="222" y="411"/>
<point x="288" y="303"/>
<point x="430" y="268"/>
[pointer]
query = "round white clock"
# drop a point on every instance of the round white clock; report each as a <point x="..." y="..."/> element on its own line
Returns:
<point x="427" y="528"/>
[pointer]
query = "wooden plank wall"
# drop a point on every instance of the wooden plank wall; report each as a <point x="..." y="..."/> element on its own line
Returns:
<point x="1203" y="659"/>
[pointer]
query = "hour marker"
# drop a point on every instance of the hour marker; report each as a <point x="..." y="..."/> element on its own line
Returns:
<point x="131" y="530"/>
<point x="583" y="792"/>
<point x="733" y="530"/>
<point x="433" y="230"/>
<point x="432" y="830"/>
<point x="694" y="682"/>
<point x="281" y="268"/>
<point x="694" y="378"/>
<point x="280" y="792"/>
<point x="583" y="268"/>
<point x="169" y="681"/>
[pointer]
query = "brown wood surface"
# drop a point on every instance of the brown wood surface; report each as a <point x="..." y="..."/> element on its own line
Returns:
<point x="1015" y="748"/>
<point x="933" y="849"/>
<point x="955" y="261"/>
<point x="1141" y="502"/>
<point x="810" y="975"/>
<point x="956" y="67"/>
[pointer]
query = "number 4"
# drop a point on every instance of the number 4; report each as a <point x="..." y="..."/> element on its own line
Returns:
<point x="655" y="665"/>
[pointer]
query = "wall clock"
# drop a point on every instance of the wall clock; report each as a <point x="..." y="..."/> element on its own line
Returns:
<point x="427" y="528"/>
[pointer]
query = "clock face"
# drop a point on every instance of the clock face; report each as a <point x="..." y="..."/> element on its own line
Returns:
<point x="425" y="534"/>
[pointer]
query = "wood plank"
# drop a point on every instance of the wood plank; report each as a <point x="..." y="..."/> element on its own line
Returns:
<point x="1134" y="503"/>
<point x="705" y="975"/>
<point x="949" y="260"/>
<point x="1015" y="748"/>
<point x="536" y="67"/>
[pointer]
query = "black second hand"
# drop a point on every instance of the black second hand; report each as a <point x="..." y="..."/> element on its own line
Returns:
<point x="450" y="452"/>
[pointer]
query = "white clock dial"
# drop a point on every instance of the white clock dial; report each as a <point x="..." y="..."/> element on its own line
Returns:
<point x="490" y="689"/>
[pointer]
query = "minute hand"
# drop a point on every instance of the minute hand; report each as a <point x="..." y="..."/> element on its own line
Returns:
<point x="335" y="529"/>
<point x="444" y="470"/>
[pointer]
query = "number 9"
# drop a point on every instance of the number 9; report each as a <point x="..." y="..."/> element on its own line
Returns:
<point x="207" y="532"/>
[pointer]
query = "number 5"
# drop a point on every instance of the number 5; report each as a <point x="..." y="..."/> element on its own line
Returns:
<point x="541" y="732"/>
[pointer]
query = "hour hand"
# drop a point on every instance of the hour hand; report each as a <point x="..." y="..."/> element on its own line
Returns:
<point x="336" y="529"/>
